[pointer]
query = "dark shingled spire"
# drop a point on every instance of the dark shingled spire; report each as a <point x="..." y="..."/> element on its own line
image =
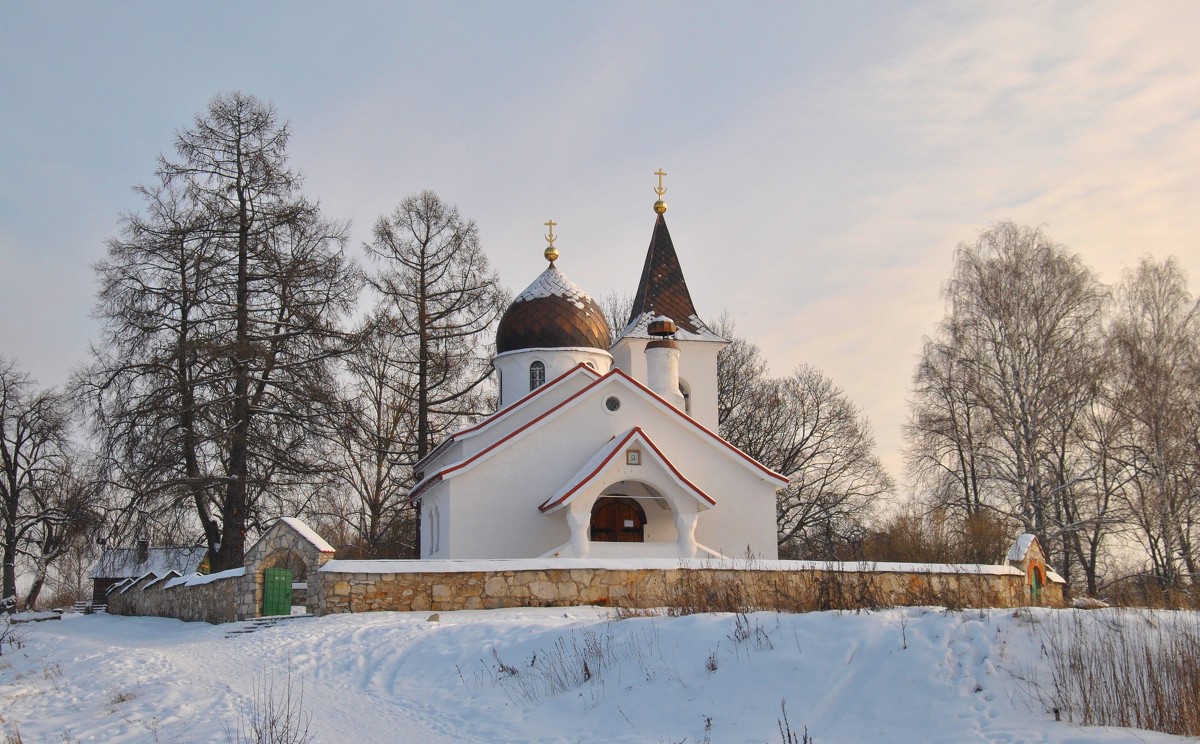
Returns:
<point x="662" y="289"/>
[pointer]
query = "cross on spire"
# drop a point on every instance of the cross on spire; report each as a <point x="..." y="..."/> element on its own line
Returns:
<point x="660" y="190"/>
<point x="551" y="252"/>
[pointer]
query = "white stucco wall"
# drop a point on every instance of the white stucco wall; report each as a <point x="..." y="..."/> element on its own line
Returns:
<point x="697" y="371"/>
<point x="513" y="367"/>
<point x="491" y="509"/>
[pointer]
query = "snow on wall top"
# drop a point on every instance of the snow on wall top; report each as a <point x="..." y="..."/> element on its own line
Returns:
<point x="119" y="563"/>
<point x="199" y="579"/>
<point x="542" y="564"/>
<point x="308" y="534"/>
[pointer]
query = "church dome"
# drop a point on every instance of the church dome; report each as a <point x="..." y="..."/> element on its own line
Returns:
<point x="552" y="313"/>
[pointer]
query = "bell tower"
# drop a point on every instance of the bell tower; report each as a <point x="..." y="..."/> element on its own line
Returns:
<point x="662" y="295"/>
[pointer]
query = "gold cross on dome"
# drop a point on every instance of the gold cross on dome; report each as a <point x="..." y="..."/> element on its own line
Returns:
<point x="660" y="190"/>
<point x="551" y="237"/>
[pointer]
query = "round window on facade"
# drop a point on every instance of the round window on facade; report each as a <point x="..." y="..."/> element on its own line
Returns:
<point x="612" y="403"/>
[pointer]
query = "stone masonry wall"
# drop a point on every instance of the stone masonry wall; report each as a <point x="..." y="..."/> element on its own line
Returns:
<point x="231" y="598"/>
<point x="280" y="547"/>
<point x="697" y="589"/>
<point x="214" y="602"/>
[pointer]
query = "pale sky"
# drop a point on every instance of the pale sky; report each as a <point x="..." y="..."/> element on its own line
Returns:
<point x="823" y="159"/>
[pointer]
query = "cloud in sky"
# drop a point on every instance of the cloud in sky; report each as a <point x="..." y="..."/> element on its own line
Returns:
<point x="824" y="160"/>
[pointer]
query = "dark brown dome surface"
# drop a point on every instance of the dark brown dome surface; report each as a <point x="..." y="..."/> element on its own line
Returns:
<point x="552" y="313"/>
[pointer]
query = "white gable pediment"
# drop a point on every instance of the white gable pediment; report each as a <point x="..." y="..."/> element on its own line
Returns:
<point x="515" y="424"/>
<point x="611" y="460"/>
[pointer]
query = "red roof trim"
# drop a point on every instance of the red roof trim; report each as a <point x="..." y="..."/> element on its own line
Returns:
<point x="650" y="443"/>
<point x="503" y="412"/>
<point x="441" y="474"/>
<point x="634" y="433"/>
<point x="701" y="427"/>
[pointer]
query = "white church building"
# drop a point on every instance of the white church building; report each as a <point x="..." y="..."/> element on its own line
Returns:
<point x="599" y="452"/>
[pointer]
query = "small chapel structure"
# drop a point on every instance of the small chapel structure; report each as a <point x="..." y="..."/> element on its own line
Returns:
<point x="599" y="451"/>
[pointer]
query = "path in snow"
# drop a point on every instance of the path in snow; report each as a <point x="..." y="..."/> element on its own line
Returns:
<point x="903" y="675"/>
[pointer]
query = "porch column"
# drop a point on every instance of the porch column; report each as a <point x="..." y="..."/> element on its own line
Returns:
<point x="579" y="519"/>
<point x="685" y="525"/>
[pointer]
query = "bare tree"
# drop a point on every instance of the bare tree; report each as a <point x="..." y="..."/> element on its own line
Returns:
<point x="804" y="427"/>
<point x="221" y="309"/>
<point x="948" y="429"/>
<point x="440" y="299"/>
<point x="1155" y="338"/>
<point x="741" y="370"/>
<point x="1002" y="389"/>
<point x="819" y="439"/>
<point x="617" y="309"/>
<point x="375" y="445"/>
<point x="33" y="441"/>
<point x="65" y="518"/>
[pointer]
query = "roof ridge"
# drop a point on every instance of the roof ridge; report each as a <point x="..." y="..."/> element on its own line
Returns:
<point x="616" y="372"/>
<point x="604" y="456"/>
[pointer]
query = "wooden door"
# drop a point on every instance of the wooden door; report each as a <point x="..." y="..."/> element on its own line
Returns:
<point x="277" y="591"/>
<point x="618" y="520"/>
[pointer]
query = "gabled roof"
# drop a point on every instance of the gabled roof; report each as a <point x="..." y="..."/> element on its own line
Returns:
<point x="600" y="461"/>
<point x="503" y="414"/>
<point x="1020" y="547"/>
<point x="121" y="563"/>
<point x="307" y="533"/>
<point x="614" y="376"/>
<point x="662" y="290"/>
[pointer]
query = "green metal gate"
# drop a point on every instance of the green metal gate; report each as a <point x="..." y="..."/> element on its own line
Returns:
<point x="277" y="591"/>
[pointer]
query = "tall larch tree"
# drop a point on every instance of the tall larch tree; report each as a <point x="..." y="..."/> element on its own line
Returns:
<point x="222" y="306"/>
<point x="441" y="299"/>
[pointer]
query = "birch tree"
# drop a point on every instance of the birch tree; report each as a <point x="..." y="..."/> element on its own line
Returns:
<point x="1155" y="337"/>
<point x="1003" y="386"/>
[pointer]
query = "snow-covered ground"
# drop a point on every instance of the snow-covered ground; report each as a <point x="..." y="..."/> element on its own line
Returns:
<point x="902" y="675"/>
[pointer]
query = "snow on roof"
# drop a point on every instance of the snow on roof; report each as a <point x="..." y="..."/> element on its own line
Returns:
<point x="1020" y="547"/>
<point x="639" y="328"/>
<point x="121" y="563"/>
<point x="198" y="579"/>
<point x="542" y="564"/>
<point x="553" y="283"/>
<point x="117" y="587"/>
<point x="180" y="580"/>
<point x="308" y="534"/>
<point x="169" y="575"/>
<point x="131" y="583"/>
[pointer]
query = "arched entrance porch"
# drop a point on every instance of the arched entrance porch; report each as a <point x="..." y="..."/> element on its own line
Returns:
<point x="632" y="518"/>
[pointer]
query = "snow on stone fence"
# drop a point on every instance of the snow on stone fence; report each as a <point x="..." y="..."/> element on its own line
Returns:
<point x="231" y="595"/>
<point x="729" y="585"/>
<point x="211" y="598"/>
